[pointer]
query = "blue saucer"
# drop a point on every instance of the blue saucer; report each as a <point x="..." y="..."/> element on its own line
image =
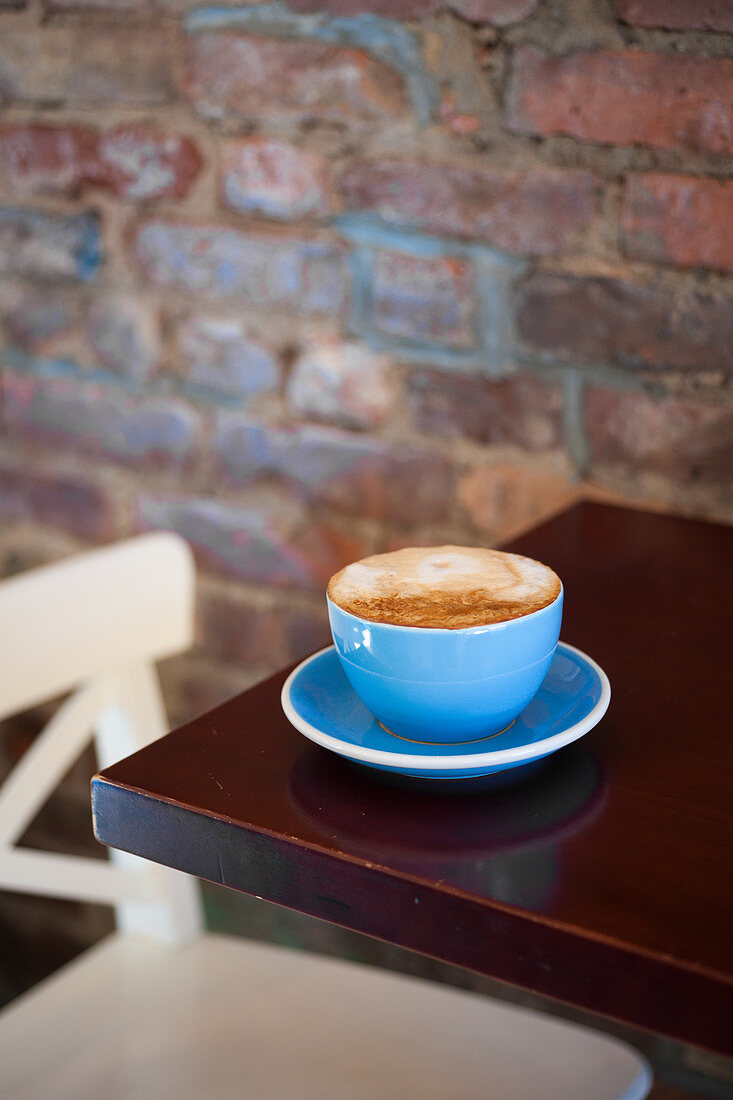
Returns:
<point x="319" y="701"/>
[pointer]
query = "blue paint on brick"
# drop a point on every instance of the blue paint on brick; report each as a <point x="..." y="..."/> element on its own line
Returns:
<point x="494" y="276"/>
<point x="386" y="39"/>
<point x="262" y="270"/>
<point x="21" y="362"/>
<point x="66" y="244"/>
<point x="369" y="231"/>
<point x="89" y="250"/>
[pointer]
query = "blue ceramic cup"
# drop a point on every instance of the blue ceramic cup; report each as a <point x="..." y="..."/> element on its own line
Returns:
<point x="439" y="685"/>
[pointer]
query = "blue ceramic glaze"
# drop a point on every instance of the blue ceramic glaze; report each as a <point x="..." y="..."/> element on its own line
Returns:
<point x="319" y="701"/>
<point x="430" y="684"/>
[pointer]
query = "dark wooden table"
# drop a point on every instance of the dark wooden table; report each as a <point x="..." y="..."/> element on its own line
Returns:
<point x="605" y="881"/>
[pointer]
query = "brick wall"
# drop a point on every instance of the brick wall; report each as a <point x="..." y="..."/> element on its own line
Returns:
<point x="313" y="281"/>
<point x="306" y="282"/>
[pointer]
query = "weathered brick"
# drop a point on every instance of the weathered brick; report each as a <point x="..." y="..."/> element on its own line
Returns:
<point x="142" y="162"/>
<point x="263" y="176"/>
<point x="246" y="633"/>
<point x="274" y="543"/>
<point x="37" y="244"/>
<point x="241" y="631"/>
<point x="634" y="325"/>
<point x="537" y="212"/>
<point x="88" y="65"/>
<point x="244" y="75"/>
<point x="86" y="417"/>
<point x="69" y="503"/>
<point x="498" y="12"/>
<point x="457" y="121"/>
<point x="99" y="5"/>
<point x="38" y="158"/>
<point x="136" y="161"/>
<point x="398" y="9"/>
<point x="681" y="220"/>
<point x="305" y="631"/>
<point x="501" y="500"/>
<point x="354" y="474"/>
<point x="663" y="101"/>
<point x="307" y="276"/>
<point x="429" y="299"/>
<point x="124" y="334"/>
<point x="677" y="15"/>
<point x="681" y="439"/>
<point x="519" y="409"/>
<point x="35" y="317"/>
<point x="343" y="383"/>
<point x="221" y="355"/>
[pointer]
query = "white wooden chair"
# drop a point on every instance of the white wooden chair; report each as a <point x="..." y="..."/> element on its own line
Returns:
<point x="161" y="1009"/>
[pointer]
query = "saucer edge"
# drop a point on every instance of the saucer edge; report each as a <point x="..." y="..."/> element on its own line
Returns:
<point x="516" y="755"/>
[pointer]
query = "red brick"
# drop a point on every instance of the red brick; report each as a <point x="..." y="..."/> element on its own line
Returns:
<point x="38" y="158"/>
<point x="677" y="15"/>
<point x="262" y="176"/>
<point x="358" y="475"/>
<point x="273" y="541"/>
<point x="628" y="97"/>
<point x="538" y="212"/>
<point x="83" y="416"/>
<point x="500" y="500"/>
<point x="681" y="220"/>
<point x="306" y="276"/>
<point x="133" y="161"/>
<point x="516" y="410"/>
<point x="142" y="162"/>
<point x="429" y="299"/>
<point x="630" y="324"/>
<point x="342" y="383"/>
<point x="243" y="75"/>
<point x="68" y="503"/>
<point x="681" y="439"/>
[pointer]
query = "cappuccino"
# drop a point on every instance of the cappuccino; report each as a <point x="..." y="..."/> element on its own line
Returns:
<point x="452" y="587"/>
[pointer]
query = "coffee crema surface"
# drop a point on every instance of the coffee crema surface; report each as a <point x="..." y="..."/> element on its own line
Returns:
<point x="451" y="587"/>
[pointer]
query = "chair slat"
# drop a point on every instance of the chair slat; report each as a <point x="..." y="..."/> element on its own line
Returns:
<point x="100" y="620"/>
<point x="53" y="874"/>
<point x="49" y="757"/>
<point x="103" y="610"/>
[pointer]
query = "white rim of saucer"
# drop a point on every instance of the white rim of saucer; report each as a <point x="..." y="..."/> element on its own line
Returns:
<point x="441" y="763"/>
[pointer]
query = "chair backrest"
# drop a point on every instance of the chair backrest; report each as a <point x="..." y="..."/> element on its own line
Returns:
<point x="94" y="626"/>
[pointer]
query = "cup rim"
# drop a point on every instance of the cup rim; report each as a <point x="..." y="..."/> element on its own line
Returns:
<point x="461" y="630"/>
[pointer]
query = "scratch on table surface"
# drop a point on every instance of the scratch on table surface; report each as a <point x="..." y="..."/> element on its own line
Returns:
<point x="222" y="880"/>
<point x="212" y="776"/>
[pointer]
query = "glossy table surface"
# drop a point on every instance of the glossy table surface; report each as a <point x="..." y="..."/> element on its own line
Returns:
<point x="604" y="881"/>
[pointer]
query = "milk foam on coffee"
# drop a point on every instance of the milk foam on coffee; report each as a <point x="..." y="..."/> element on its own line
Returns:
<point x="444" y="586"/>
